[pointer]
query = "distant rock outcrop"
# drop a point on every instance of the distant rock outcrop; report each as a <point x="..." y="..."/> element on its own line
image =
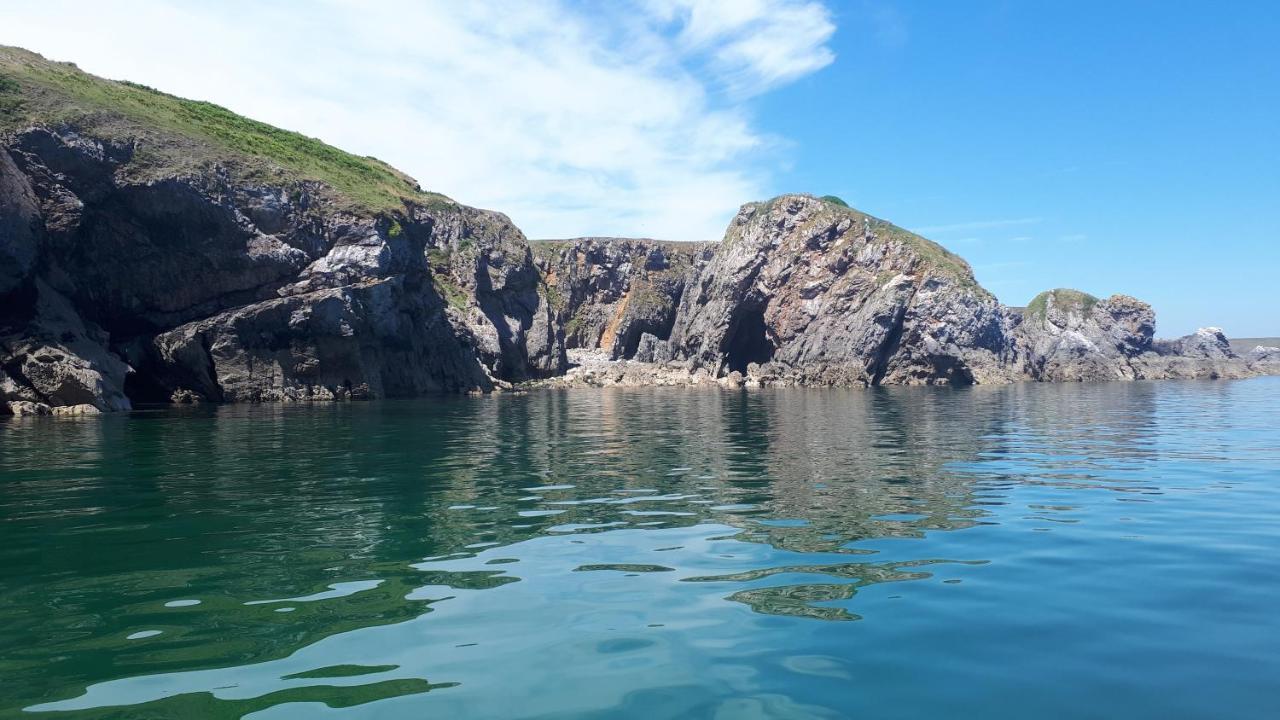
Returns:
<point x="1264" y="354"/>
<point x="1067" y="335"/>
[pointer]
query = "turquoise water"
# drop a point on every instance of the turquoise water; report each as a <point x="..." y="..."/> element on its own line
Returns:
<point x="1066" y="551"/>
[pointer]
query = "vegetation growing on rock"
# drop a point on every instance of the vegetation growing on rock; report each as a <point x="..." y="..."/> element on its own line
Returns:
<point x="173" y="134"/>
<point x="1064" y="298"/>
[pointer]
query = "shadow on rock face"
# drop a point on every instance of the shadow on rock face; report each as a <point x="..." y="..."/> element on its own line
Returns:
<point x="748" y="341"/>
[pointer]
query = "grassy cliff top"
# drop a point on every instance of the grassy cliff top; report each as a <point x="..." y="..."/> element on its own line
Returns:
<point x="930" y="253"/>
<point x="1065" y="298"/>
<point x="175" y="135"/>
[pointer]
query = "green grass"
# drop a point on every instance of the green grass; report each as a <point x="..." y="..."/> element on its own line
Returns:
<point x="440" y="261"/>
<point x="555" y="299"/>
<point x="548" y="249"/>
<point x="574" y="325"/>
<point x="930" y="253"/>
<point x="1062" y="297"/>
<point x="452" y="294"/>
<point x="177" y="134"/>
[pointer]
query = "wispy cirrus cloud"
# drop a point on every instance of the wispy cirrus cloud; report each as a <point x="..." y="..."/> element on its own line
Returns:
<point x="752" y="45"/>
<point x="620" y="118"/>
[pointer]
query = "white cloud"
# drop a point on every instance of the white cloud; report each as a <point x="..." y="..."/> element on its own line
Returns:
<point x="626" y="120"/>
<point x="754" y="44"/>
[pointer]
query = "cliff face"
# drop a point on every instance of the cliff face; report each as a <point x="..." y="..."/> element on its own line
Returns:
<point x="609" y="292"/>
<point x="806" y="291"/>
<point x="159" y="249"/>
<point x="143" y="259"/>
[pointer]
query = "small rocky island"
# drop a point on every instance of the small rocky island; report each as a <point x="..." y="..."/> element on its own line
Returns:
<point x="157" y="249"/>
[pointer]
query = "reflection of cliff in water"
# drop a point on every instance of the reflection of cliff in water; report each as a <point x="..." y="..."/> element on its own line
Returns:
<point x="279" y="501"/>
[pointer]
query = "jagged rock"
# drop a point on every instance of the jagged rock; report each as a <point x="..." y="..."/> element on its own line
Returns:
<point x="219" y="261"/>
<point x="1067" y="335"/>
<point x="483" y="262"/>
<point x="823" y="294"/>
<point x="25" y="408"/>
<point x="785" y="300"/>
<point x="51" y="356"/>
<point x="19" y="226"/>
<point x="1204" y="354"/>
<point x="183" y="396"/>
<point x="380" y="339"/>
<point x="1264" y="354"/>
<point x="188" y="266"/>
<point x="1264" y="359"/>
<point x="75" y="410"/>
<point x="610" y="292"/>
<point x="1205" y="343"/>
<point x="652" y="350"/>
<point x="808" y="292"/>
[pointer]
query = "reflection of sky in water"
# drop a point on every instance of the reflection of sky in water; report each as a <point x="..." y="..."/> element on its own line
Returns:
<point x="651" y="553"/>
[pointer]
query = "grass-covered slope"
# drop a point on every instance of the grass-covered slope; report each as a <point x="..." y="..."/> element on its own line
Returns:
<point x="930" y="253"/>
<point x="174" y="135"/>
<point x="1064" y="298"/>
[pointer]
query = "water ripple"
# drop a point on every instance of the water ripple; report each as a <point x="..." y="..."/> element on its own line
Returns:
<point x="663" y="553"/>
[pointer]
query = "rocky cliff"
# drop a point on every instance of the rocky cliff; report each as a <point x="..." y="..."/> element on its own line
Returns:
<point x="609" y="292"/>
<point x="156" y="249"/>
<point x="807" y="291"/>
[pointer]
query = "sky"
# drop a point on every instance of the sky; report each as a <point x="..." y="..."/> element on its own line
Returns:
<point x="1115" y="147"/>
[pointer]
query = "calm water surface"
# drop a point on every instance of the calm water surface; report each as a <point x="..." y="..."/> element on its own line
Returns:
<point x="1067" y="551"/>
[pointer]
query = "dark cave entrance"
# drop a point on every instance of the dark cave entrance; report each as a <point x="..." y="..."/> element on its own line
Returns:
<point x="142" y="387"/>
<point x="748" y="342"/>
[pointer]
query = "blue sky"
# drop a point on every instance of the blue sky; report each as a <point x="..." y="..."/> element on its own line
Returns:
<point x="1110" y="146"/>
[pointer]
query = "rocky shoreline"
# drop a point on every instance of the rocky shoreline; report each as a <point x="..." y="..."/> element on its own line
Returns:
<point x="154" y="249"/>
<point x="805" y="291"/>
